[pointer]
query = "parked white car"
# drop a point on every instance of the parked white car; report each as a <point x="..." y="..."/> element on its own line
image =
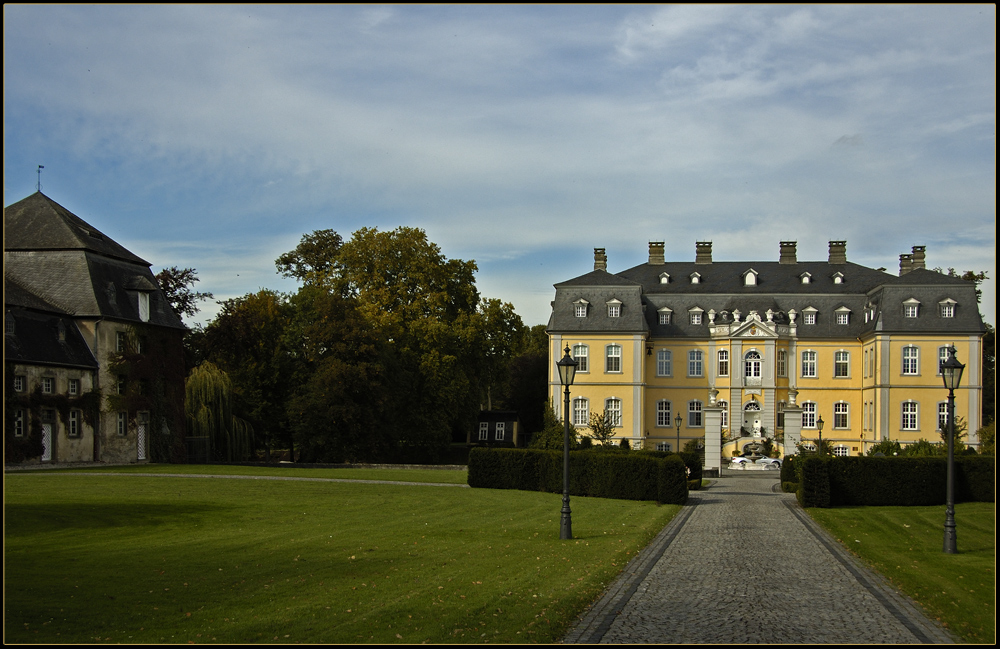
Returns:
<point x="769" y="463"/>
<point x="738" y="463"/>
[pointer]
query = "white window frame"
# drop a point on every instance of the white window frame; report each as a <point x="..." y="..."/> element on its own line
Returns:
<point x="664" y="412"/>
<point x="781" y="363"/>
<point x="581" y="354"/>
<point x="724" y="415"/>
<point x="947" y="310"/>
<point x="696" y="418"/>
<point x="810" y="364"/>
<point x="695" y="317"/>
<point x="580" y="308"/>
<point x="19" y="419"/>
<point x="696" y="363"/>
<point x="942" y="415"/>
<point x="841" y="415"/>
<point x="500" y="431"/>
<point x="808" y="317"/>
<point x="614" y="310"/>
<point x="663" y="446"/>
<point x="613" y="411"/>
<point x="910" y="415"/>
<point x="943" y="354"/>
<point x="665" y="316"/>
<point x="613" y="359"/>
<point x="581" y="411"/>
<point x="75" y="423"/>
<point x="842" y="450"/>
<point x="664" y="362"/>
<point x="842" y="364"/>
<point x="911" y="360"/>
<point x="20" y="383"/>
<point x="73" y="387"/>
<point x="723" y="365"/>
<point x="122" y="428"/>
<point x="48" y="385"/>
<point x="809" y="415"/>
<point x="752" y="362"/>
<point x="484" y="431"/>
<point x="843" y="318"/>
<point x="911" y="310"/>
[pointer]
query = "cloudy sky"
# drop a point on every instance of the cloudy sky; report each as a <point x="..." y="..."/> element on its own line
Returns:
<point x="523" y="137"/>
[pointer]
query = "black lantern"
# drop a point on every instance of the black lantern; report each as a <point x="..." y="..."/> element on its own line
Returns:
<point x="819" y="426"/>
<point x="951" y="373"/>
<point x="678" y="420"/>
<point x="567" y="372"/>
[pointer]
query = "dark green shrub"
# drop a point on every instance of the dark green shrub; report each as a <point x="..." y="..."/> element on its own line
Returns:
<point x="975" y="478"/>
<point x="814" y="481"/>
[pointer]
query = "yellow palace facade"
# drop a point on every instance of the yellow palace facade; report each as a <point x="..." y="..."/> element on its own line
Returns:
<point x="736" y="351"/>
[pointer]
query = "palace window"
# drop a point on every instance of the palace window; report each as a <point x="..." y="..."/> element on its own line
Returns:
<point x="942" y="357"/>
<point x="843" y="318"/>
<point x="781" y="363"/>
<point x="910" y="310"/>
<point x="696" y="317"/>
<point x="724" y="414"/>
<point x="613" y="411"/>
<point x="581" y="354"/>
<point x="48" y="385"/>
<point x="809" y="364"/>
<point x="779" y="416"/>
<point x="751" y="364"/>
<point x="943" y="415"/>
<point x="484" y="431"/>
<point x="723" y="362"/>
<point x="947" y="308"/>
<point x="122" y="424"/>
<point x="663" y="413"/>
<point x="809" y="414"/>
<point x="842" y="364"/>
<point x="911" y="360"/>
<point x="613" y="359"/>
<point x="501" y="430"/>
<point x="664" y="362"/>
<point x="663" y="446"/>
<point x="74" y="387"/>
<point x="665" y="316"/>
<point x="840" y="415"/>
<point x="694" y="414"/>
<point x="841" y="451"/>
<point x="809" y="316"/>
<point x="910" y="417"/>
<point x="614" y="309"/>
<point x="695" y="363"/>
<point x="581" y="411"/>
<point x="20" y="383"/>
<point x="580" y="308"/>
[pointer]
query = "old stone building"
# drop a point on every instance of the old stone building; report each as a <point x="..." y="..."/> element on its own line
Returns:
<point x="93" y="356"/>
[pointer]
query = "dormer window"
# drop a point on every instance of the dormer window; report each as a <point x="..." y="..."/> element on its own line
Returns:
<point x="809" y="315"/>
<point x="911" y="308"/>
<point x="144" y="306"/>
<point x="806" y="278"/>
<point x="664" y="278"/>
<point x="843" y="315"/>
<point x="664" y="314"/>
<point x="838" y="278"/>
<point x="614" y="308"/>
<point x="750" y="278"/>
<point x="580" y="308"/>
<point x="695" y="315"/>
<point x="696" y="278"/>
<point x="947" y="308"/>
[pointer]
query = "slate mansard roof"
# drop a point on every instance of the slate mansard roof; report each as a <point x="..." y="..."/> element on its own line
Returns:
<point x="873" y="298"/>
<point x="60" y="259"/>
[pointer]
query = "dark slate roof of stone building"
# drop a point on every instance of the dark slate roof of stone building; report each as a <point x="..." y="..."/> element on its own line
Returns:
<point x="39" y="223"/>
<point x="62" y="260"/>
<point x="40" y="338"/>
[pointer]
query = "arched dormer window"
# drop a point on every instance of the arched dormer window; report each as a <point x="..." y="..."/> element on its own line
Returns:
<point x="750" y="278"/>
<point x="696" y="278"/>
<point x="664" y="278"/>
<point x="838" y="278"/>
<point x="805" y="278"/>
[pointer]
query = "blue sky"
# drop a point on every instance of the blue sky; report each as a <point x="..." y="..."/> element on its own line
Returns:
<point x="523" y="137"/>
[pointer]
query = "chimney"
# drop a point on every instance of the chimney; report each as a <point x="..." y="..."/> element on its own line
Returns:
<point x="703" y="252"/>
<point x="787" y="255"/>
<point x="918" y="257"/>
<point x="600" y="259"/>
<point x="838" y="252"/>
<point x="905" y="264"/>
<point x="656" y="253"/>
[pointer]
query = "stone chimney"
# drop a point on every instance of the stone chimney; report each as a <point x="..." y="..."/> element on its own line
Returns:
<point x="787" y="254"/>
<point x="838" y="252"/>
<point x="600" y="259"/>
<point x="905" y="264"/>
<point x="656" y="253"/>
<point x="918" y="257"/>
<point x="703" y="252"/>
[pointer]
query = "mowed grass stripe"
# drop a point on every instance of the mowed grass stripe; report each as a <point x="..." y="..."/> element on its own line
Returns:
<point x="175" y="560"/>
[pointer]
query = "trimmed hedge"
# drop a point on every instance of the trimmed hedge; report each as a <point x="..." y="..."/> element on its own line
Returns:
<point x="885" y="481"/>
<point x="597" y="473"/>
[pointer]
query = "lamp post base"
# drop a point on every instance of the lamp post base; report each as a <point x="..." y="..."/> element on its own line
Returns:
<point x="566" y="521"/>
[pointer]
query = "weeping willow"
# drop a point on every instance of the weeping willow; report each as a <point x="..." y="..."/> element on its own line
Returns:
<point x="207" y="405"/>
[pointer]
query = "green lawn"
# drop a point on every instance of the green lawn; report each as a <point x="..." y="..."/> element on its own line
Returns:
<point x="905" y="545"/>
<point x="110" y="558"/>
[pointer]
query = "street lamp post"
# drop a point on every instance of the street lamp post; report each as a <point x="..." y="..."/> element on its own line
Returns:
<point x="567" y="371"/>
<point x="819" y="426"/>
<point x="951" y="372"/>
<point x="678" y="420"/>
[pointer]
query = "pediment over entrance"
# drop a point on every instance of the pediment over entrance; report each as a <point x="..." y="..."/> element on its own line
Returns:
<point x="754" y="328"/>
